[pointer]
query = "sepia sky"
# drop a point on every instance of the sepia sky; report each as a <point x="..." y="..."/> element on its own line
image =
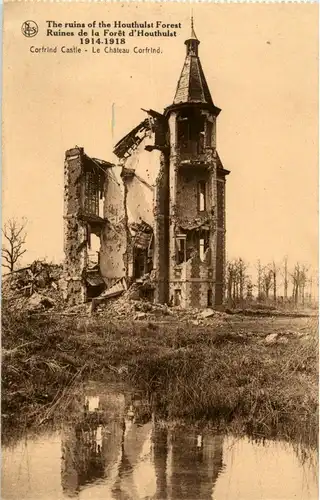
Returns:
<point x="260" y="62"/>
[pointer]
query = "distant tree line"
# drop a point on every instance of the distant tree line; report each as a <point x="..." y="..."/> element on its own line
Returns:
<point x="274" y="284"/>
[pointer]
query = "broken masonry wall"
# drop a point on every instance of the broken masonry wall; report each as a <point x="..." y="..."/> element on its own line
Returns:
<point x="141" y="190"/>
<point x="198" y="278"/>
<point x="146" y="200"/>
<point x="161" y="231"/>
<point x="75" y="262"/>
<point x="113" y="197"/>
<point x="140" y="176"/>
<point x="126" y="201"/>
<point x="113" y="238"/>
<point x="205" y="272"/>
<point x="145" y="163"/>
<point x="139" y="202"/>
<point x="212" y="161"/>
<point x="94" y="247"/>
<point x="75" y="231"/>
<point x="193" y="280"/>
<point x="174" y="160"/>
<point x="188" y="193"/>
<point x="221" y="245"/>
<point x="140" y="196"/>
<point x="141" y="186"/>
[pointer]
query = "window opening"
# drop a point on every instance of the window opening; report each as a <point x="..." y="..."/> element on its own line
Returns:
<point x="201" y="196"/>
<point x="181" y="248"/>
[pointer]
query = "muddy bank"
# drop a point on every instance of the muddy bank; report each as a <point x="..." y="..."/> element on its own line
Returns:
<point x="256" y="374"/>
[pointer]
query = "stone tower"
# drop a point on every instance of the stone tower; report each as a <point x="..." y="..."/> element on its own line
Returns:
<point x="196" y="190"/>
<point x="163" y="226"/>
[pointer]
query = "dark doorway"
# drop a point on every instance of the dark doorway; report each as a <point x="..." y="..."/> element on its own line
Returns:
<point x="140" y="266"/>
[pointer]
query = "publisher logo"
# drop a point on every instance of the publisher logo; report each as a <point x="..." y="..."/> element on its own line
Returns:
<point x="29" y="29"/>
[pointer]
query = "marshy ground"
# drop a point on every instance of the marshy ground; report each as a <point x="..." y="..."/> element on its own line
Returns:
<point x="255" y="375"/>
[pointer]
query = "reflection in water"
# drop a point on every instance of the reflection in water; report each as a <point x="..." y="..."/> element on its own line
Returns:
<point x="116" y="450"/>
<point x="205" y="455"/>
<point x="115" y="432"/>
<point x="93" y="443"/>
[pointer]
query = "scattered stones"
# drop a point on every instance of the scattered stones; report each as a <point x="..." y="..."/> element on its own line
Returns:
<point x="283" y="340"/>
<point x="34" y="301"/>
<point x="140" y="315"/>
<point x="271" y="338"/>
<point x="38" y="301"/>
<point x="143" y="306"/>
<point x="207" y="313"/>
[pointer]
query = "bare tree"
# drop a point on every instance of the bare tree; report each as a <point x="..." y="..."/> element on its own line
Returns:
<point x="312" y="283"/>
<point x="259" y="280"/>
<point x="303" y="283"/>
<point x="295" y="282"/>
<point x="14" y="240"/>
<point x="267" y="276"/>
<point x="242" y="277"/>
<point x="274" y="272"/>
<point x="249" y="291"/>
<point x="236" y="279"/>
<point x="299" y="280"/>
<point x="230" y="280"/>
<point x="285" y="283"/>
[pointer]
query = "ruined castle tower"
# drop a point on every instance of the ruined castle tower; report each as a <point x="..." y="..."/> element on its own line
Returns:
<point x="160" y="224"/>
<point x="196" y="189"/>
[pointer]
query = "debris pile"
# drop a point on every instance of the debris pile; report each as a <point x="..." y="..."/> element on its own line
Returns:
<point x="127" y="304"/>
<point x="39" y="288"/>
<point x="33" y="288"/>
<point x="142" y="288"/>
<point x="132" y="304"/>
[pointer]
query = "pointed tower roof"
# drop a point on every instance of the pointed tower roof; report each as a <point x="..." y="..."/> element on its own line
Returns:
<point x="192" y="85"/>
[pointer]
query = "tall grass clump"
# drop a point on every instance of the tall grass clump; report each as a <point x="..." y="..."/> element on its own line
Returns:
<point x="260" y="389"/>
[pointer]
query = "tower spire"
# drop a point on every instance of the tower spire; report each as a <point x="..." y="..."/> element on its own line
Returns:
<point x="192" y="42"/>
<point x="193" y="35"/>
<point x="192" y="85"/>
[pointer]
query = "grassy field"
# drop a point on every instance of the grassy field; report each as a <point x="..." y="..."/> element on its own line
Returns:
<point x="227" y="371"/>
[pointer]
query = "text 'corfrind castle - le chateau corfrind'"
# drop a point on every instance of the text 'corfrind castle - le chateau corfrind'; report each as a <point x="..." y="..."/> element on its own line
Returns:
<point x="160" y="227"/>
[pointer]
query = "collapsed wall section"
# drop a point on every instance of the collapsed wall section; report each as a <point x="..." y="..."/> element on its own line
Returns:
<point x="75" y="232"/>
<point x="161" y="232"/>
<point x="85" y="182"/>
<point x="143" y="154"/>
<point x="113" y="239"/>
